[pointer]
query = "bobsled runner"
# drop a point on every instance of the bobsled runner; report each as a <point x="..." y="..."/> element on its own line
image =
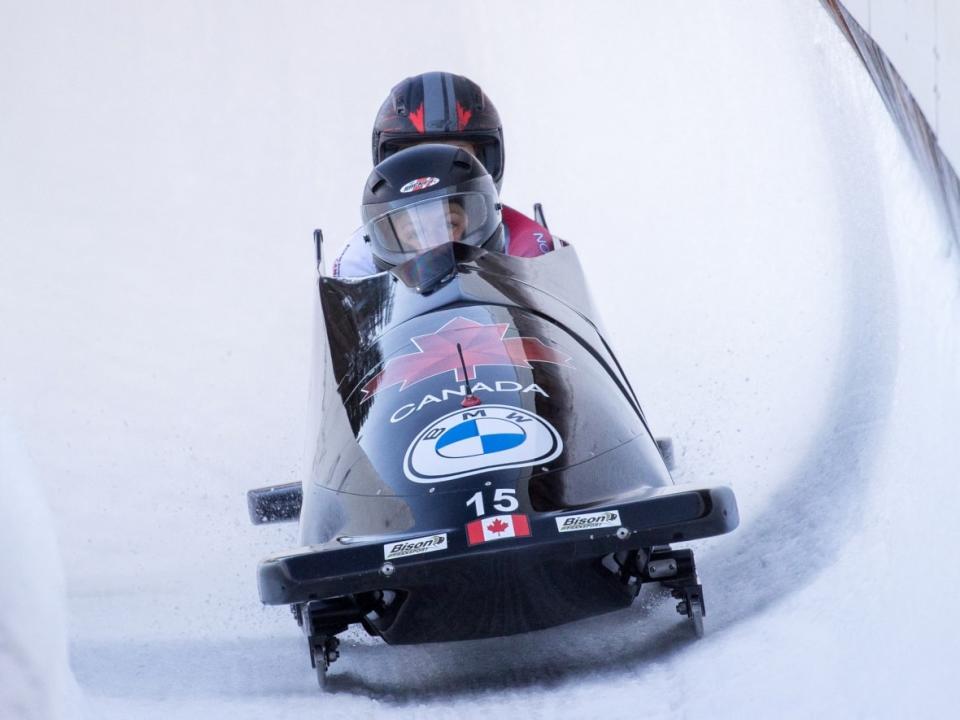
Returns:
<point x="478" y="463"/>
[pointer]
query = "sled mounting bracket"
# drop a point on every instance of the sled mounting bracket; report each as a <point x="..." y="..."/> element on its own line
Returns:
<point x="538" y="215"/>
<point x="318" y="247"/>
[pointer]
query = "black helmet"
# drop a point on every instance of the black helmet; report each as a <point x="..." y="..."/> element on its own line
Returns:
<point x="438" y="107"/>
<point x="425" y="196"/>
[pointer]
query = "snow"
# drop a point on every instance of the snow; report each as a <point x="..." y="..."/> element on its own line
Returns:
<point x="37" y="683"/>
<point x="774" y="274"/>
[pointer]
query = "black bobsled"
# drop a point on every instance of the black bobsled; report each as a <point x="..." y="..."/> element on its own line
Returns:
<point x="479" y="465"/>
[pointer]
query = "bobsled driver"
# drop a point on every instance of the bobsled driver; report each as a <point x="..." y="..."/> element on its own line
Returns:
<point x="426" y="196"/>
<point x="437" y="107"/>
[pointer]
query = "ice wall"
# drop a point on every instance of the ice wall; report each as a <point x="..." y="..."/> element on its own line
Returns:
<point x="903" y="105"/>
<point x="922" y="39"/>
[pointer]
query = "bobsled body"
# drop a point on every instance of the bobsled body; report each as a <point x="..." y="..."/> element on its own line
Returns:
<point x="479" y="464"/>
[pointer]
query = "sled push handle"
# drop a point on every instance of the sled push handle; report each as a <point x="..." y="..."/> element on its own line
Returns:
<point x="276" y="503"/>
<point x="318" y="248"/>
<point x="538" y="215"/>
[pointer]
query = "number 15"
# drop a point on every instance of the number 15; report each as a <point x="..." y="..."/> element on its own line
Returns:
<point x="504" y="500"/>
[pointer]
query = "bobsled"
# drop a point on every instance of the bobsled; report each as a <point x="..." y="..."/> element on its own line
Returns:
<point x="478" y="464"/>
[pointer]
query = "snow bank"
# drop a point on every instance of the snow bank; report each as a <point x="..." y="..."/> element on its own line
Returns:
<point x="35" y="678"/>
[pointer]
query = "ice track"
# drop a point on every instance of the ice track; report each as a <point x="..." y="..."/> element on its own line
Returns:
<point x="769" y="260"/>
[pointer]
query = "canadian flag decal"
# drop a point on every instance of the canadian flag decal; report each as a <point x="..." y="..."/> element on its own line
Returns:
<point x="497" y="527"/>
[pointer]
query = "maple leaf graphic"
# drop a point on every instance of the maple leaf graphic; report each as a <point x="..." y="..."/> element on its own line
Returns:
<point x="481" y="345"/>
<point x="497" y="526"/>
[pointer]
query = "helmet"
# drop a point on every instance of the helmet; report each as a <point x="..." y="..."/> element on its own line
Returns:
<point x="436" y="107"/>
<point x="425" y="196"/>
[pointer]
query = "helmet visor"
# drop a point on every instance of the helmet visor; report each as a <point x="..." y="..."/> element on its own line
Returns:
<point x="401" y="233"/>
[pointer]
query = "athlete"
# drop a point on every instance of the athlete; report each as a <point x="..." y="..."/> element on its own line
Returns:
<point x="439" y="107"/>
<point x="426" y="196"/>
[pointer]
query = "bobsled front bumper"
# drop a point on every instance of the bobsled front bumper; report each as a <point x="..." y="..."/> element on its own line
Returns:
<point x="335" y="569"/>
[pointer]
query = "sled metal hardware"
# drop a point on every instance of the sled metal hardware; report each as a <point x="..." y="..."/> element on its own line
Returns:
<point x="387" y="569"/>
<point x="622" y="533"/>
<point x="640" y="560"/>
<point x="383" y="603"/>
<point x="329" y="617"/>
<point x="676" y="570"/>
<point x="683" y="568"/>
<point x="691" y="605"/>
<point x="324" y="651"/>
<point x="665" y="568"/>
<point x="323" y="620"/>
<point x="611" y="564"/>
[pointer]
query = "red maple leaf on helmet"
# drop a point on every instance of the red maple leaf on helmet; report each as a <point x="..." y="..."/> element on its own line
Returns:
<point x="481" y="345"/>
<point x="416" y="118"/>
<point x="497" y="526"/>
<point x="463" y="116"/>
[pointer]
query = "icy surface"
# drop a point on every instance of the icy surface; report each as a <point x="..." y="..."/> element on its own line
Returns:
<point x="35" y="679"/>
<point x="773" y="273"/>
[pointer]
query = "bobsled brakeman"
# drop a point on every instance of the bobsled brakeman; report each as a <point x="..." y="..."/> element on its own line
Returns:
<point x="479" y="464"/>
